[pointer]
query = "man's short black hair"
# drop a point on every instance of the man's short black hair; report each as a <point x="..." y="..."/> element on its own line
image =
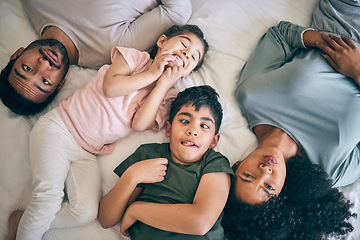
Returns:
<point x="199" y="96"/>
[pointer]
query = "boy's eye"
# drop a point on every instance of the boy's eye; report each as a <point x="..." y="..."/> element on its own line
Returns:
<point x="205" y="126"/>
<point x="26" y="68"/>
<point x="184" y="121"/>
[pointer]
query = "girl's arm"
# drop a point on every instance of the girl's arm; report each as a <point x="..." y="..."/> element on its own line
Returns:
<point x="119" y="82"/>
<point x="196" y="218"/>
<point x="114" y="203"/>
<point x="145" y="116"/>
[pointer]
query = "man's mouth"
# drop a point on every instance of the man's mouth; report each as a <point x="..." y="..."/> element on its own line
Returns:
<point x="51" y="56"/>
<point x="189" y="144"/>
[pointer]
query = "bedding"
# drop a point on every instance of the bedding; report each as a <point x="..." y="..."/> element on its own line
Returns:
<point x="232" y="28"/>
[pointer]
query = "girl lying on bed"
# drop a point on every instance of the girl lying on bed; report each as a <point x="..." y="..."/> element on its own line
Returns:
<point x="303" y="106"/>
<point x="133" y="93"/>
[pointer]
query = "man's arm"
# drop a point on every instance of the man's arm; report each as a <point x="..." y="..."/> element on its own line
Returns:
<point x="113" y="204"/>
<point x="196" y="218"/>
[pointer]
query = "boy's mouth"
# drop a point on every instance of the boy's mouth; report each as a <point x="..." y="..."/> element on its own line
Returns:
<point x="189" y="144"/>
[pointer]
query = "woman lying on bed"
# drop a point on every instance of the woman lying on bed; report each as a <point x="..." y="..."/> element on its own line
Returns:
<point x="304" y="107"/>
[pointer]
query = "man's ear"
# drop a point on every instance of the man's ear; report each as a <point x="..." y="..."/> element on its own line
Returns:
<point x="215" y="140"/>
<point x="17" y="53"/>
<point x="167" y="129"/>
<point x="161" y="41"/>
<point x="61" y="84"/>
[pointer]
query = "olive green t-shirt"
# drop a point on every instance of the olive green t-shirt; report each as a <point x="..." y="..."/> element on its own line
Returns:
<point x="179" y="186"/>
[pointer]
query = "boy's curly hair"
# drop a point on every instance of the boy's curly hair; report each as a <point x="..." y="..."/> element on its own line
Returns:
<point x="307" y="208"/>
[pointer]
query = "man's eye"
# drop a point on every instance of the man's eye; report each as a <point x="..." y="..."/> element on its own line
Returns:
<point x="27" y="68"/>
<point x="46" y="82"/>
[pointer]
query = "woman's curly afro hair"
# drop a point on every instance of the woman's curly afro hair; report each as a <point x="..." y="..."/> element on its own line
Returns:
<point x="307" y="208"/>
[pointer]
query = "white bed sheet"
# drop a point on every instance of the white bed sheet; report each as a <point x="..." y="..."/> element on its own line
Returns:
<point x="232" y="28"/>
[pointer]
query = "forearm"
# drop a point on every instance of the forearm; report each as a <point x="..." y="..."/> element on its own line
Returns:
<point x="121" y="85"/>
<point x="179" y="218"/>
<point x="113" y="204"/>
<point x="145" y="116"/>
<point x="196" y="218"/>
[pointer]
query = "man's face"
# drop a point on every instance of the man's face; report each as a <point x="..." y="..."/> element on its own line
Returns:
<point x="39" y="69"/>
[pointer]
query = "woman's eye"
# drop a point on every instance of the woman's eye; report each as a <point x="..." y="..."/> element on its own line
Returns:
<point x="184" y="121"/>
<point x="247" y="175"/>
<point x="205" y="126"/>
<point x="26" y="68"/>
<point x="269" y="187"/>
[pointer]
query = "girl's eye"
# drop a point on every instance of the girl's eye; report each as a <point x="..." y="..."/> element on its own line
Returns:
<point x="27" y="68"/>
<point x="205" y="126"/>
<point x="184" y="45"/>
<point x="269" y="187"/>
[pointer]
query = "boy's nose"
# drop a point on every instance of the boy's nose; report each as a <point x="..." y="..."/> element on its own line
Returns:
<point x="191" y="132"/>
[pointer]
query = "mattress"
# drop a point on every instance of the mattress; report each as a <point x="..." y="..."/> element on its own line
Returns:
<point x="232" y="28"/>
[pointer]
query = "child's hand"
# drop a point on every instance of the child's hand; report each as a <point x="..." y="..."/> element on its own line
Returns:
<point x="158" y="66"/>
<point x="170" y="76"/>
<point x="148" y="171"/>
<point x="126" y="222"/>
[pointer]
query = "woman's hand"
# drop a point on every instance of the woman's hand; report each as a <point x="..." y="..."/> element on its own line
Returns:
<point x="342" y="55"/>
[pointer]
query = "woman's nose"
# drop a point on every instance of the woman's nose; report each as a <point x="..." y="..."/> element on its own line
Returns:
<point x="266" y="168"/>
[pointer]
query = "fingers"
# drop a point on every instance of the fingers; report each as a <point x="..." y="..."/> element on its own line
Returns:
<point x="348" y="42"/>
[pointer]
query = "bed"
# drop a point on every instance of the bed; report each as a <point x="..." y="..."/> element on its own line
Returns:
<point x="232" y="28"/>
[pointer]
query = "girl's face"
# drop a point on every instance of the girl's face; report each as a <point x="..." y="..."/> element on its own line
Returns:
<point x="187" y="49"/>
<point x="260" y="176"/>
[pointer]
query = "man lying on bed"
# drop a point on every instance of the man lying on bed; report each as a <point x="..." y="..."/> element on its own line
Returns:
<point x="36" y="73"/>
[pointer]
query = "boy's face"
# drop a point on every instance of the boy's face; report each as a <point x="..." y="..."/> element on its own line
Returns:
<point x="187" y="48"/>
<point x="191" y="134"/>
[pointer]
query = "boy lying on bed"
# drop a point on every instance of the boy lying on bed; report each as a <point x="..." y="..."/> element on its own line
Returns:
<point x="170" y="189"/>
<point x="36" y="73"/>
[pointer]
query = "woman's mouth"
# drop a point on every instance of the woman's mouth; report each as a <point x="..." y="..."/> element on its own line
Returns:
<point x="270" y="159"/>
<point x="179" y="60"/>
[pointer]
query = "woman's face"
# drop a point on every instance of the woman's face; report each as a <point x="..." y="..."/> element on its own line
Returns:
<point x="260" y="176"/>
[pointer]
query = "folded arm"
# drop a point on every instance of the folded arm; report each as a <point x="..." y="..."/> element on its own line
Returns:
<point x="114" y="203"/>
<point x="196" y="218"/>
